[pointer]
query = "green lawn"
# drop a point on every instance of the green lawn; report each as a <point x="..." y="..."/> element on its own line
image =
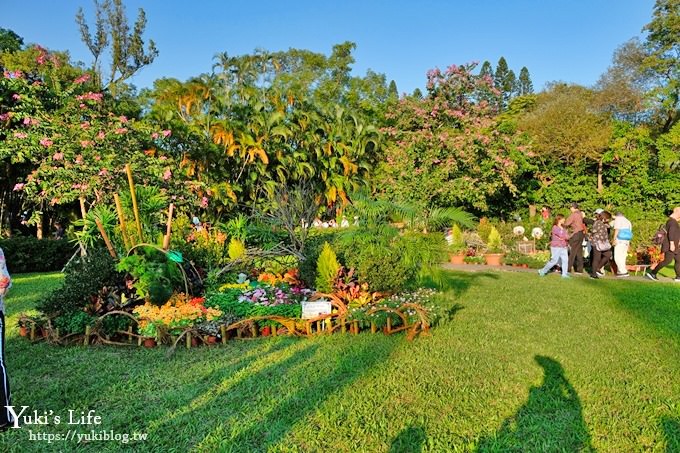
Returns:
<point x="522" y="363"/>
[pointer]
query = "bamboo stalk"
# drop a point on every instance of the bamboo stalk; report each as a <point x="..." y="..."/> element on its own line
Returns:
<point x="133" y="194"/>
<point x="373" y="327"/>
<point x="238" y="333"/>
<point x="33" y="332"/>
<point x="188" y="340"/>
<point x="168" y="228"/>
<point x="223" y="330"/>
<point x="86" y="341"/>
<point x="129" y="334"/>
<point x="355" y="324"/>
<point x="389" y="325"/>
<point x="121" y="220"/>
<point x="343" y="326"/>
<point x="107" y="241"/>
<point x="309" y="327"/>
<point x="318" y="327"/>
<point x="274" y="331"/>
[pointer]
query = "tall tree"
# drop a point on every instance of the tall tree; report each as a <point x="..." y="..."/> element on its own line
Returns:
<point x="486" y="70"/>
<point x="10" y="41"/>
<point x="112" y="30"/>
<point x="392" y="92"/>
<point x="524" y="85"/>
<point x="505" y="81"/>
<point x="663" y="58"/>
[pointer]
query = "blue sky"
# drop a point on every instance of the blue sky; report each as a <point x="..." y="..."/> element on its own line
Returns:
<point x="567" y="40"/>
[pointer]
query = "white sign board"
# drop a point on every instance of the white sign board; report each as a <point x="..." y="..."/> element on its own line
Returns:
<point x="313" y="309"/>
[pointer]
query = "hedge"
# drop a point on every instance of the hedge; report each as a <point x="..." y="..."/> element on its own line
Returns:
<point x="29" y="254"/>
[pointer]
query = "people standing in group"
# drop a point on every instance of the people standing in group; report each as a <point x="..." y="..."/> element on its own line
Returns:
<point x="559" y="248"/>
<point x="576" y="227"/>
<point x="623" y="233"/>
<point x="670" y="247"/>
<point x="5" y="283"/>
<point x="602" y="247"/>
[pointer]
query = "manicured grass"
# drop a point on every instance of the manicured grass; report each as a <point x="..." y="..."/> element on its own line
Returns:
<point x="523" y="363"/>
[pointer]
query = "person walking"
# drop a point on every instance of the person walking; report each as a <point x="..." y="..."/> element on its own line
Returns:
<point x="575" y="224"/>
<point x="670" y="247"/>
<point x="602" y="247"/>
<point x="5" y="283"/>
<point x="623" y="233"/>
<point x="559" y="248"/>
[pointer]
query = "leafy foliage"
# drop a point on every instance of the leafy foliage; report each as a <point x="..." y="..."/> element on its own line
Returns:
<point x="327" y="267"/>
<point x="28" y="254"/>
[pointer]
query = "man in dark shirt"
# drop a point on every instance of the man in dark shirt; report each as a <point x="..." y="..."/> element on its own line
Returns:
<point x="575" y="225"/>
<point x="670" y="247"/>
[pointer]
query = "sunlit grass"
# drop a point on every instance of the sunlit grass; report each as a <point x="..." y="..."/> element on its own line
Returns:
<point x="524" y="363"/>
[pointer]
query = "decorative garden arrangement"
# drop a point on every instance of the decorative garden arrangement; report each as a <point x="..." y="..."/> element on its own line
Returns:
<point x="200" y="285"/>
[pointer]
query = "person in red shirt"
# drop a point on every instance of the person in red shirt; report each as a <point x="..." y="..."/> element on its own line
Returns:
<point x="558" y="247"/>
<point x="576" y="227"/>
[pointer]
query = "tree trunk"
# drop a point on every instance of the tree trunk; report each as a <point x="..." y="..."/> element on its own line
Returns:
<point x="39" y="227"/>
<point x="600" y="187"/>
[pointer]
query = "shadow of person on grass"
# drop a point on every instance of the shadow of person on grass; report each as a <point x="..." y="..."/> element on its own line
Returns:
<point x="550" y="420"/>
<point x="409" y="440"/>
<point x="458" y="282"/>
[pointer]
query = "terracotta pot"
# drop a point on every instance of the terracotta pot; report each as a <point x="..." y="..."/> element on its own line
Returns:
<point x="149" y="342"/>
<point x="212" y="339"/>
<point x="266" y="331"/>
<point x="493" y="259"/>
<point x="23" y="331"/>
<point x="457" y="259"/>
<point x="525" y="266"/>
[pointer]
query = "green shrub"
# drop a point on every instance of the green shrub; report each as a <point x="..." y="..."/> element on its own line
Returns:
<point x="457" y="240"/>
<point x="327" y="267"/>
<point x="73" y="322"/>
<point x="494" y="244"/>
<point x="383" y="269"/>
<point x="313" y="246"/>
<point x="29" y="254"/>
<point x="85" y="277"/>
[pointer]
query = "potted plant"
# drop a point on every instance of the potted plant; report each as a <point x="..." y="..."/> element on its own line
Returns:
<point x="457" y="247"/>
<point x="266" y="331"/>
<point x="494" y="250"/>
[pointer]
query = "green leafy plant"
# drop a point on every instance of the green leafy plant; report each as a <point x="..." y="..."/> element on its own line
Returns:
<point x="155" y="276"/>
<point x="327" y="267"/>
<point x="457" y="241"/>
<point x="495" y="243"/>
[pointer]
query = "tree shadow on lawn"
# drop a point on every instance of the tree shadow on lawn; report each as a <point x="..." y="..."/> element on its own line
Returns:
<point x="410" y="440"/>
<point x="671" y="429"/>
<point x="550" y="420"/>
<point x="655" y="303"/>
<point x="458" y="281"/>
<point x="257" y="410"/>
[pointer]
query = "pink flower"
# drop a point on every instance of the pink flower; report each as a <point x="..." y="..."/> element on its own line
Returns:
<point x="97" y="157"/>
<point x="19" y="186"/>
<point x="58" y="156"/>
<point x="6" y="74"/>
<point x="204" y="202"/>
<point x="121" y="130"/>
<point x="163" y="158"/>
<point x="167" y="175"/>
<point x="79" y="159"/>
<point x="20" y="135"/>
<point x="85" y="125"/>
<point x="4" y="117"/>
<point x="82" y="106"/>
<point x="166" y="133"/>
<point x="123" y="119"/>
<point x="82" y="79"/>
<point x="101" y="135"/>
<point x="16" y="97"/>
<point x="154" y="135"/>
<point x="54" y="201"/>
<point x="85" y="144"/>
<point x="103" y="172"/>
<point x="90" y="96"/>
<point x="46" y="142"/>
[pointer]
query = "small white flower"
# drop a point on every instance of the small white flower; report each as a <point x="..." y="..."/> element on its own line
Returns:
<point x="537" y="233"/>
